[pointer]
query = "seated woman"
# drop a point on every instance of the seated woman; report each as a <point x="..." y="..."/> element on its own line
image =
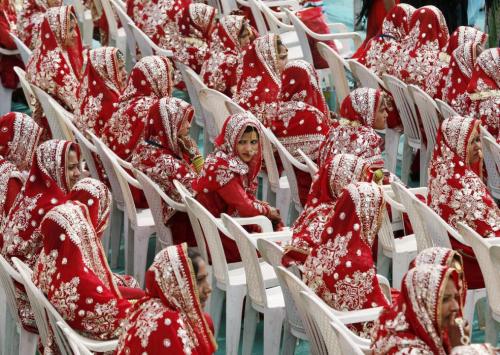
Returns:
<point x="328" y="185"/>
<point x="30" y="19"/>
<point x="227" y="183"/>
<point x="19" y="136"/>
<point x="170" y="320"/>
<point x="303" y="118"/>
<point x="55" y="170"/>
<point x="99" y="92"/>
<point x="363" y="111"/>
<point x="73" y="273"/>
<point x="8" y="23"/>
<point x="483" y="91"/>
<point x="149" y="81"/>
<point x="259" y="83"/>
<point x="456" y="189"/>
<point x="167" y="153"/>
<point x="57" y="61"/>
<point x="422" y="320"/>
<point x="340" y="268"/>
<point x="225" y="53"/>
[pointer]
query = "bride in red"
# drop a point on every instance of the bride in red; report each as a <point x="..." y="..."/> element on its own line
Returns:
<point x="149" y="81"/>
<point x="19" y="136"/>
<point x="170" y="320"/>
<point x="225" y="54"/>
<point x="329" y="183"/>
<point x="259" y="77"/>
<point x="363" y="111"/>
<point x="303" y="117"/>
<point x="340" y="269"/>
<point x="56" y="63"/>
<point x="228" y="181"/>
<point x="167" y="154"/>
<point x="457" y="191"/>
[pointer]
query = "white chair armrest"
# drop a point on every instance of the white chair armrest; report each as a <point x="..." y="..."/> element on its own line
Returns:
<point x="262" y="221"/>
<point x="338" y="27"/>
<point x="420" y="190"/>
<point x="88" y="28"/>
<point x="363" y="315"/>
<point x="282" y="236"/>
<point x="280" y="3"/>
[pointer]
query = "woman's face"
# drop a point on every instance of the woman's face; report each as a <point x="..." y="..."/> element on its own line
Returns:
<point x="246" y="35"/>
<point x="474" y="152"/>
<point x="184" y="129"/>
<point x="72" y="168"/>
<point x="72" y="31"/>
<point x="204" y="288"/>
<point x="381" y="115"/>
<point x="282" y="57"/>
<point x="121" y="72"/>
<point x="248" y="146"/>
<point x="450" y="306"/>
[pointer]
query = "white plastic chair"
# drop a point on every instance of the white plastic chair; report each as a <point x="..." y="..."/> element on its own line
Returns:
<point x="336" y="335"/>
<point x="409" y="118"/>
<point x="429" y="114"/>
<point x="63" y="117"/>
<point x="85" y="21"/>
<point x="125" y="21"/>
<point x="268" y="301"/>
<point x="146" y="46"/>
<point x="214" y="103"/>
<point x="446" y="110"/>
<point x="23" y="49"/>
<point x="48" y="312"/>
<point x="76" y="348"/>
<point x="25" y="85"/>
<point x="118" y="221"/>
<point x="49" y="112"/>
<point x="117" y="35"/>
<point x="27" y="340"/>
<point x="337" y="66"/>
<point x="492" y="161"/>
<point x="229" y="280"/>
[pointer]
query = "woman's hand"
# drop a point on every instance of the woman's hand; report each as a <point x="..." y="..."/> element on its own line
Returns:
<point x="274" y="214"/>
<point x="455" y="334"/>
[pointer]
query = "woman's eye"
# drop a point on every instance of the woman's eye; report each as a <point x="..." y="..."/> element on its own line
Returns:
<point x="254" y="142"/>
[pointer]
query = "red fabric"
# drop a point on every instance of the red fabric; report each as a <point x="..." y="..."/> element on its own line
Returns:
<point x="31" y="18"/>
<point x="376" y="18"/>
<point x="7" y="74"/>
<point x="411" y="325"/>
<point x="170" y="319"/>
<point x="11" y="182"/>
<point x="484" y="81"/>
<point x="314" y="19"/>
<point x="259" y="84"/>
<point x="458" y="194"/>
<point x="8" y="20"/>
<point x="334" y="175"/>
<point x="340" y="269"/>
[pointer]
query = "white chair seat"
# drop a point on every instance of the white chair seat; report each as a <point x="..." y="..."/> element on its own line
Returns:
<point x="238" y="277"/>
<point x="295" y="53"/>
<point x="275" y="297"/>
<point x="145" y="218"/>
<point x="406" y="244"/>
<point x="289" y="38"/>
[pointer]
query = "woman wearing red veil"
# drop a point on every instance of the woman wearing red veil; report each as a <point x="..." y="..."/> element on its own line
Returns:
<point x="167" y="154"/>
<point x="8" y="22"/>
<point x="303" y="118"/>
<point x="259" y="77"/>
<point x="457" y="191"/>
<point x="19" y="136"/>
<point x="225" y="53"/>
<point x="484" y="91"/>
<point x="227" y="183"/>
<point x="363" y="111"/>
<point x="422" y="320"/>
<point x="73" y="273"/>
<point x="329" y="183"/>
<point x="56" y="63"/>
<point x="53" y="173"/>
<point x="31" y="18"/>
<point x="149" y="81"/>
<point x="170" y="320"/>
<point x="340" y="269"/>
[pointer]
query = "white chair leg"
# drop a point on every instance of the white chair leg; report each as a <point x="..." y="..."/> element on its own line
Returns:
<point x="289" y="340"/>
<point x="283" y="202"/>
<point x="406" y="162"/>
<point x="117" y="225"/>
<point x="27" y="342"/>
<point x="234" y="307"/>
<point x="5" y="99"/>
<point x="492" y="328"/>
<point x="423" y="166"/>
<point x="249" y="327"/>
<point x="391" y="149"/>
<point x="216" y="303"/>
<point x="141" y="241"/>
<point x="273" y="322"/>
<point x="129" y="245"/>
<point x="470" y="306"/>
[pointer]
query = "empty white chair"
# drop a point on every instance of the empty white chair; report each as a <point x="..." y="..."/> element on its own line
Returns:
<point x="408" y="115"/>
<point x="24" y="51"/>
<point x="429" y="115"/>
<point x="27" y="340"/>
<point x="146" y="46"/>
<point x="336" y="335"/>
<point x="492" y="161"/>
<point x="446" y="110"/>
<point x="337" y="66"/>
<point x="25" y="85"/>
<point x="268" y="301"/>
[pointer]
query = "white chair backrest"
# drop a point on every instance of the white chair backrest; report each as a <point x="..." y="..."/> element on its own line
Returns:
<point x="211" y="228"/>
<point x="24" y="51"/>
<point x="214" y="102"/>
<point x="118" y="36"/>
<point x="258" y="17"/>
<point x="228" y="6"/>
<point x="301" y="29"/>
<point x="337" y="66"/>
<point x="35" y="297"/>
<point x="405" y="106"/>
<point x="125" y="21"/>
<point x="429" y="114"/>
<point x="7" y="276"/>
<point x="25" y="85"/>
<point x="110" y="171"/>
<point x="255" y="281"/>
<point x="275" y="19"/>
<point x="386" y="234"/>
<point x="366" y="77"/>
<point x="63" y="117"/>
<point x="488" y="257"/>
<point x="492" y="161"/>
<point x="146" y="46"/>
<point x="193" y="94"/>
<point x="48" y="110"/>
<point x="73" y="342"/>
<point x="270" y="160"/>
<point x="335" y="334"/>
<point x="446" y="110"/>
<point x="270" y="251"/>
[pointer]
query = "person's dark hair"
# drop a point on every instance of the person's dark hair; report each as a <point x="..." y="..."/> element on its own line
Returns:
<point x="249" y="129"/>
<point x="365" y="10"/>
<point x="242" y="29"/>
<point x="194" y="256"/>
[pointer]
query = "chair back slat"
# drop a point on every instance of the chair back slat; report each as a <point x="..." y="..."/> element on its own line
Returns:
<point x="338" y="66"/>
